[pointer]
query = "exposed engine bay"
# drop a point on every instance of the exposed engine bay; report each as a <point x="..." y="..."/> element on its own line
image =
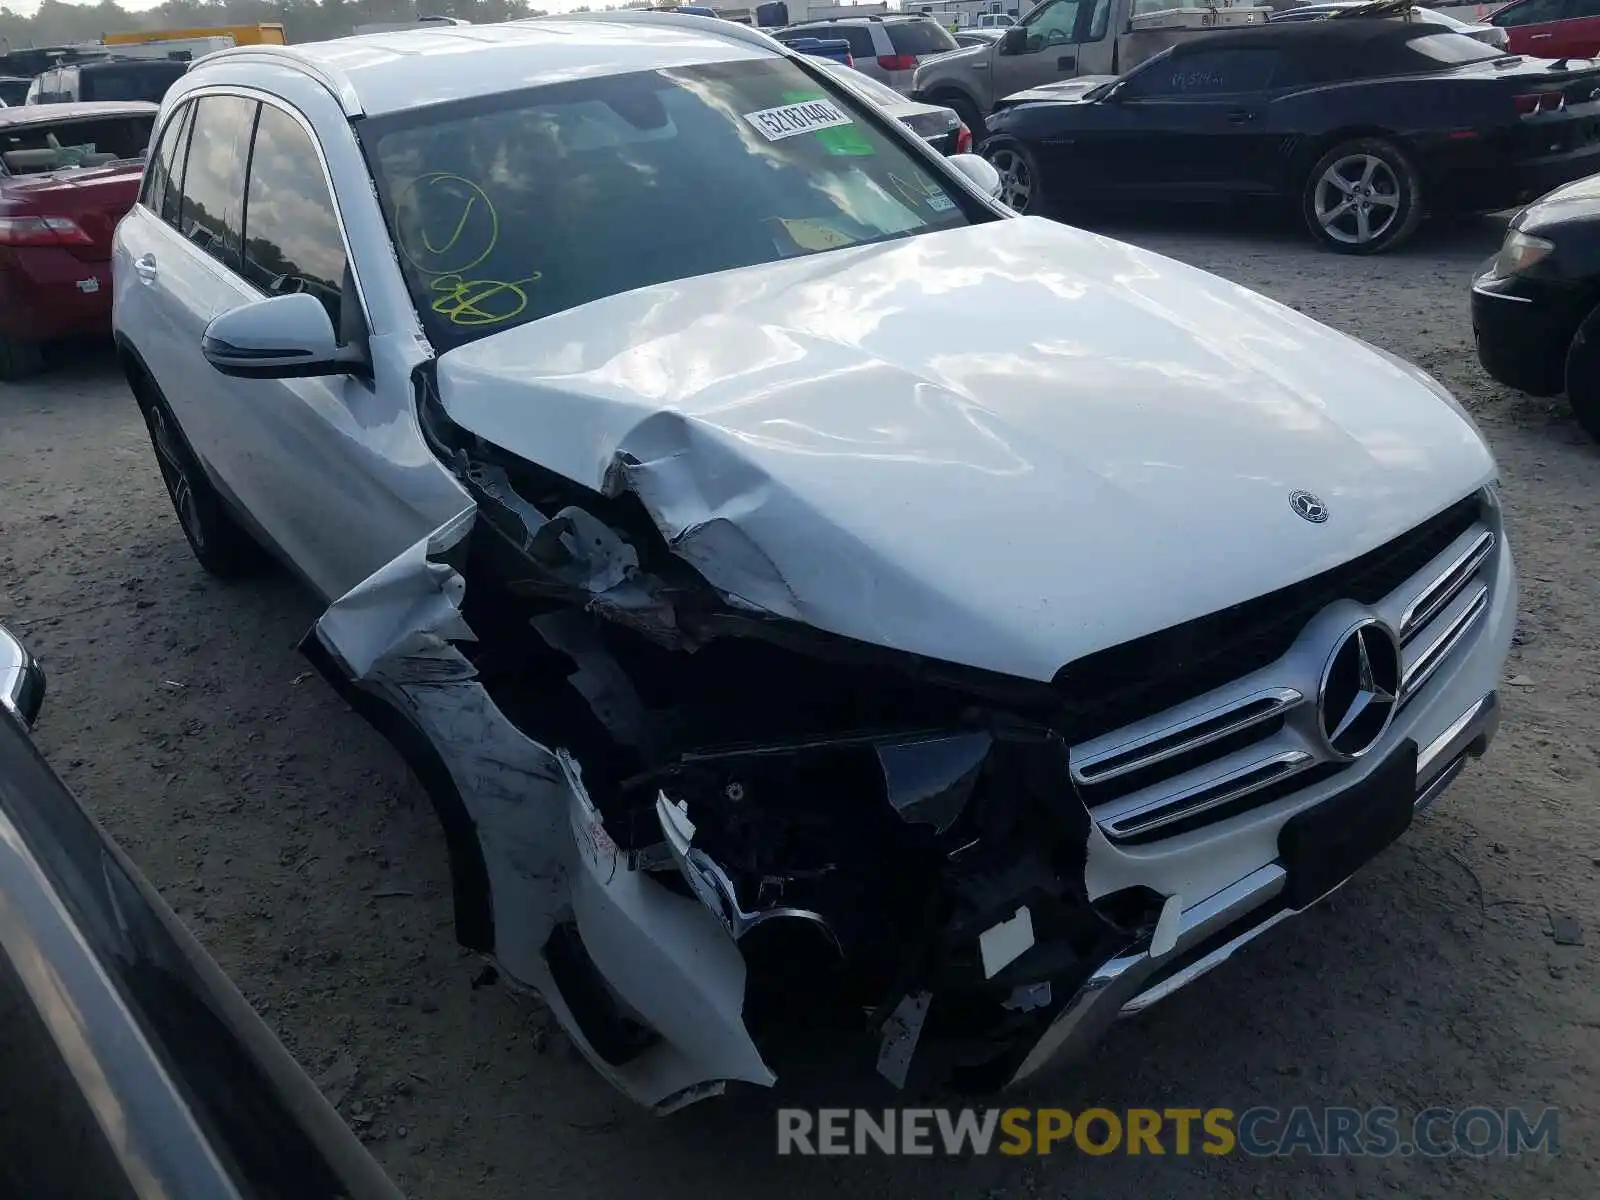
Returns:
<point x="881" y="842"/>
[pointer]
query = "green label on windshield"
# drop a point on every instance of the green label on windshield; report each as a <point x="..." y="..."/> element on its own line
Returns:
<point x="842" y="139"/>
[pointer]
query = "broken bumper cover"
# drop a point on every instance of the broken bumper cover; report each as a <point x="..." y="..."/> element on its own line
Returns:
<point x="963" y="910"/>
<point x="1212" y="930"/>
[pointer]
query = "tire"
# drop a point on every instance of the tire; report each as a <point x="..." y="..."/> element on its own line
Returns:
<point x="220" y="544"/>
<point x="1364" y="196"/>
<point x="1021" y="186"/>
<point x="1583" y="375"/>
<point x="20" y="359"/>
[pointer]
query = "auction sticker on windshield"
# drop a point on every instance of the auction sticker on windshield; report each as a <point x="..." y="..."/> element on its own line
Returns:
<point x="788" y="120"/>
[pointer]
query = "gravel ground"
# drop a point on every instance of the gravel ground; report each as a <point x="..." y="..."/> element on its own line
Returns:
<point x="288" y="835"/>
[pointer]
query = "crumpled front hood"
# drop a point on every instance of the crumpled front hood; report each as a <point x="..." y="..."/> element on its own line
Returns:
<point x="1006" y="446"/>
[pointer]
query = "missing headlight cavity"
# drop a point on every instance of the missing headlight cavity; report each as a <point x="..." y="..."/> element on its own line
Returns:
<point x="730" y="825"/>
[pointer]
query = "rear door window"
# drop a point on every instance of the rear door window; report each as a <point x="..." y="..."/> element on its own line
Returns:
<point x="920" y="37"/>
<point x="159" y="174"/>
<point x="172" y="198"/>
<point x="1530" y="12"/>
<point x="213" y="179"/>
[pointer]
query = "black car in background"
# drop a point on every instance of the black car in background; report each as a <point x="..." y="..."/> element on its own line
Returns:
<point x="108" y="79"/>
<point x="1366" y="122"/>
<point x="1536" y="304"/>
<point x="132" y="1067"/>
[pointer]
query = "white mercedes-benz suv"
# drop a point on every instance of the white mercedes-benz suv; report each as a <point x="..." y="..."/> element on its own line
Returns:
<point x="808" y="593"/>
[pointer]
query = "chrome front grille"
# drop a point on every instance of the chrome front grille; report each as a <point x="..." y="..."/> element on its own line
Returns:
<point x="1258" y="737"/>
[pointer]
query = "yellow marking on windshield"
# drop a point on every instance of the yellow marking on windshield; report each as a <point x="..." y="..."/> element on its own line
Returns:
<point x="480" y="301"/>
<point x="447" y="199"/>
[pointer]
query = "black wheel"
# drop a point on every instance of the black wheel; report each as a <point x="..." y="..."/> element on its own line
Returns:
<point x="220" y="545"/>
<point x="19" y="359"/>
<point x="967" y="111"/>
<point x="1363" y="197"/>
<point x="1583" y="375"/>
<point x="1021" y="186"/>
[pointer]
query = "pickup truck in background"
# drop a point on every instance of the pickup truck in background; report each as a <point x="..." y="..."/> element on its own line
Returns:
<point x="1070" y="39"/>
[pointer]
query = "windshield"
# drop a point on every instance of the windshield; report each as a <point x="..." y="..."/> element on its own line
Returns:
<point x="512" y="207"/>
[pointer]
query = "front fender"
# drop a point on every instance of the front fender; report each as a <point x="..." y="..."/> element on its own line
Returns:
<point x="645" y="982"/>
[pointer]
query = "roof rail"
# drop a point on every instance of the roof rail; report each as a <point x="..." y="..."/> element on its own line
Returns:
<point x="285" y="56"/>
<point x="644" y="16"/>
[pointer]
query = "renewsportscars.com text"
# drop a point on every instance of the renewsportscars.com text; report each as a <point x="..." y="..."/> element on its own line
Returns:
<point x="1254" y="1132"/>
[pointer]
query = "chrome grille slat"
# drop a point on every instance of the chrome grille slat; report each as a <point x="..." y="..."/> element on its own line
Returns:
<point x="1151" y="749"/>
<point x="1445" y="586"/>
<point x="1216" y="750"/>
<point x="1202" y="797"/>
<point x="1457" y="622"/>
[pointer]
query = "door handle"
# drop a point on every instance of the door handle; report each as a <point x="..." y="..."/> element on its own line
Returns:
<point x="980" y="66"/>
<point x="145" y="267"/>
<point x="1539" y="37"/>
<point x="1067" y="62"/>
<point x="1240" y="116"/>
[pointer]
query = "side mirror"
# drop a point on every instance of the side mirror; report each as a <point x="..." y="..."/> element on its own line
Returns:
<point x="21" y="680"/>
<point x="1014" y="40"/>
<point x="281" y="337"/>
<point x="978" y="170"/>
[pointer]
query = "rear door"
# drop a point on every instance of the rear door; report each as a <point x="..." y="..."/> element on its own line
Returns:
<point x="181" y="262"/>
<point x="1550" y="28"/>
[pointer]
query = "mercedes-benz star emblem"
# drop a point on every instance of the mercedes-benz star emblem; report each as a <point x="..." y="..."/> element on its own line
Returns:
<point x="1360" y="689"/>
<point x="1309" y="507"/>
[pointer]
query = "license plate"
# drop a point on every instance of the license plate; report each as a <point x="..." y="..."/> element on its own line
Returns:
<point x="1323" y="846"/>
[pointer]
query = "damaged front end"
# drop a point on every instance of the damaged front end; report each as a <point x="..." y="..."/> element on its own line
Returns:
<point x="695" y="824"/>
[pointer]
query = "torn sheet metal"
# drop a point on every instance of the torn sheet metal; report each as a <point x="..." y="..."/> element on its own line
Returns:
<point x="711" y="883"/>
<point x="665" y="959"/>
<point x="929" y="782"/>
<point x="407" y="604"/>
<point x="901" y="1032"/>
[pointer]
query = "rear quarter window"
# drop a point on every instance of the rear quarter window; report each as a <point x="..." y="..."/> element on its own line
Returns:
<point x="920" y="37"/>
<point x="1440" y="51"/>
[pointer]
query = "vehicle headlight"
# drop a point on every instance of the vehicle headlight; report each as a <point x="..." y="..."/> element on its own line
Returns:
<point x="1520" y="251"/>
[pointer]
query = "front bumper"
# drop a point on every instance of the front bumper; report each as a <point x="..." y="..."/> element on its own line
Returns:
<point x="1212" y="930"/>
<point x="1523" y="328"/>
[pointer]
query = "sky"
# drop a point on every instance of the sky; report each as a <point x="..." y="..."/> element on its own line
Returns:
<point x="29" y="7"/>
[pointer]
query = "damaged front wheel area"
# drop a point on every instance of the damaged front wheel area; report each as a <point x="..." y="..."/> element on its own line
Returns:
<point x="917" y="885"/>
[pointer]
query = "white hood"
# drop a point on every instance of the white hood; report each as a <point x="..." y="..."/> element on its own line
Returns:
<point x="1006" y="446"/>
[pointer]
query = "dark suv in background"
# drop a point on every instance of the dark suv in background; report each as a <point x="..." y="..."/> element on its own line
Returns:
<point x="108" y="79"/>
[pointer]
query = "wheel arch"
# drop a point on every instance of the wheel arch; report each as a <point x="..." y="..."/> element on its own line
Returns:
<point x="1310" y="149"/>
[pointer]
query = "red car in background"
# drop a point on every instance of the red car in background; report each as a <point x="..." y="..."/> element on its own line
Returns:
<point x="68" y="173"/>
<point x="1551" y="28"/>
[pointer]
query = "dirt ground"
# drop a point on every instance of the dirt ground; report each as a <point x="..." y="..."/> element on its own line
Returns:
<point x="289" y="836"/>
